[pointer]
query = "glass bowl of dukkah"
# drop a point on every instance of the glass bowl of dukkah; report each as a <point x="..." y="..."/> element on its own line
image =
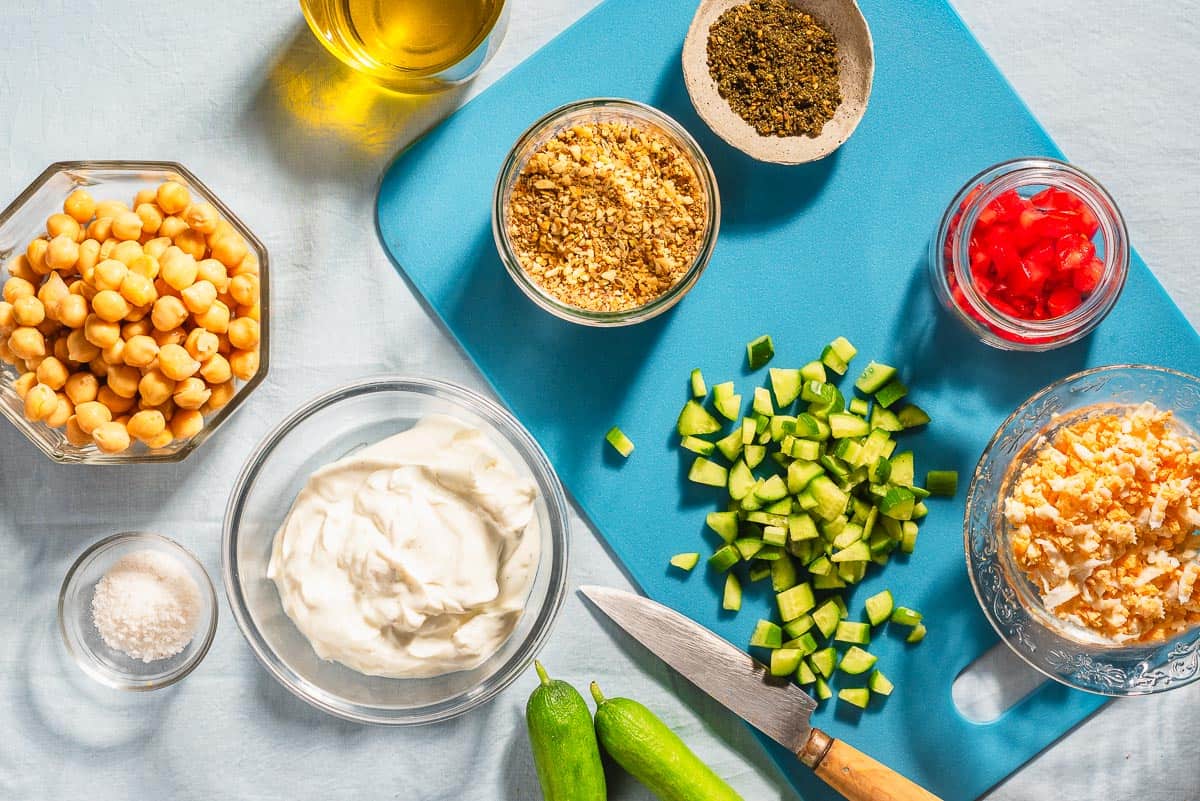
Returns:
<point x="134" y="318"/>
<point x="1082" y="530"/>
<point x="606" y="212"/>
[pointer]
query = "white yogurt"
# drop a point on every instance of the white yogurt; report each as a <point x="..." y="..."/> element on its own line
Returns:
<point x="413" y="557"/>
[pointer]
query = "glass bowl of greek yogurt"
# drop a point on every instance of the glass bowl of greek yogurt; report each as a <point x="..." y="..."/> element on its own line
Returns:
<point x="395" y="551"/>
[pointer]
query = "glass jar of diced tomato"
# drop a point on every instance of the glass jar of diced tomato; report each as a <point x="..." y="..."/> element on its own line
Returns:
<point x="1031" y="255"/>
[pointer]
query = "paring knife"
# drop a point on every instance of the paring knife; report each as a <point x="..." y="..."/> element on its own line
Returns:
<point x="774" y="706"/>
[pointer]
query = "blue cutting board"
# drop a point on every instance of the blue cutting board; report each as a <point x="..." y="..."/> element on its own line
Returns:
<point x="805" y="254"/>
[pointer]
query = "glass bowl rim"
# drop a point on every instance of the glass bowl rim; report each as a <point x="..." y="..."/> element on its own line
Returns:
<point x="536" y="461"/>
<point x="701" y="165"/>
<point x="207" y="591"/>
<point x="220" y="416"/>
<point x="981" y="597"/>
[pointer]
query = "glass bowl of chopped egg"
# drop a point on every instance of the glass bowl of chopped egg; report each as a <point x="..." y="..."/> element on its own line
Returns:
<point x="1082" y="530"/>
<point x="134" y="317"/>
<point x="137" y="611"/>
<point x="606" y="212"/>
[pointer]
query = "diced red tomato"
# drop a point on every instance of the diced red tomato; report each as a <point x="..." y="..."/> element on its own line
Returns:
<point x="1063" y="300"/>
<point x="1087" y="277"/>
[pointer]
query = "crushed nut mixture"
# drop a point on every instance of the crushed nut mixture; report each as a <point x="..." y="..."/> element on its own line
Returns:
<point x="1106" y="523"/>
<point x="607" y="216"/>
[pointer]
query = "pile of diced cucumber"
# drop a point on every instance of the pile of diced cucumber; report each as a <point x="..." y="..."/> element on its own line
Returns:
<point x="817" y="494"/>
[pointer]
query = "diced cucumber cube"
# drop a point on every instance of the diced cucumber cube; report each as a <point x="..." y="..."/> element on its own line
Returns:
<point x="824" y="661"/>
<point x="806" y="501"/>
<point x="726" y="557"/>
<point x="759" y="351"/>
<point x="807" y="449"/>
<point x="758" y="571"/>
<point x="917" y="634"/>
<point x="852" y="572"/>
<point x="708" y="473"/>
<point x="879" y="684"/>
<point x="685" y="561"/>
<point x="766" y="635"/>
<point x="814" y="371"/>
<point x="786" y="385"/>
<point x="800" y="474"/>
<point x="834" y="465"/>
<point x="699" y="389"/>
<point x="830" y="529"/>
<point x="840" y="603"/>
<point x="803" y="550"/>
<point x="832" y="401"/>
<point x="725" y="524"/>
<point x="804" y="674"/>
<point x="771" y="553"/>
<point x="942" y="482"/>
<point x="912" y="416"/>
<point x="801" y="527"/>
<point x="762" y="402"/>
<point x="806" y="643"/>
<point x="885" y="419"/>
<point x="847" y="425"/>
<point x="859" y="406"/>
<point x="741" y="481"/>
<point x="826" y="618"/>
<point x="874" y="446"/>
<point x="781" y="507"/>
<point x="785" y="661"/>
<point x="848" y="450"/>
<point x="879" y="607"/>
<point x="730" y="408"/>
<point x="831" y="501"/>
<point x="821" y="566"/>
<point x="751" y="502"/>
<point x="873" y="377"/>
<point x="850" y="534"/>
<point x="894" y="391"/>
<point x="830" y="582"/>
<point x="781" y="425"/>
<point x="697" y="445"/>
<point x="881" y="470"/>
<point x="783" y="574"/>
<point x="857" y="552"/>
<point x="747" y="431"/>
<point x="694" y="419"/>
<point x="773" y="489"/>
<point x="775" y="535"/>
<point x="908" y="537"/>
<point x="754" y="455"/>
<point x="748" y="547"/>
<point x="731" y="601"/>
<point x="731" y="446"/>
<point x="620" y="442"/>
<point x="898" y="503"/>
<point x="903" y="469"/>
<point x="838" y="354"/>
<point x="821" y="688"/>
<point x="856" y="661"/>
<point x="795" y="601"/>
<point x="855" y="696"/>
<point x="853" y="632"/>
<point x="806" y="426"/>
<point x="920" y="510"/>
<point x="815" y="392"/>
<point x="798" y="627"/>
<point x="766" y="519"/>
<point x="722" y="390"/>
<point x="906" y="616"/>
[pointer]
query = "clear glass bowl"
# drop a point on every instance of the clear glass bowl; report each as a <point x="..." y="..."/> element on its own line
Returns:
<point x="598" y="110"/>
<point x="1066" y="653"/>
<point x="83" y="641"/>
<point x="25" y="219"/>
<point x="955" y="284"/>
<point x="324" y="430"/>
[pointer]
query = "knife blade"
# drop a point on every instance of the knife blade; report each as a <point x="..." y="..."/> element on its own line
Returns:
<point x="774" y="706"/>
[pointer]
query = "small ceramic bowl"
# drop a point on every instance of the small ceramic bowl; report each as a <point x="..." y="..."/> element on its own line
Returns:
<point x="107" y="665"/>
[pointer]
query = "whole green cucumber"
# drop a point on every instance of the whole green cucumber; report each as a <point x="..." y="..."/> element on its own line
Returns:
<point x="564" y="742"/>
<point x="653" y="754"/>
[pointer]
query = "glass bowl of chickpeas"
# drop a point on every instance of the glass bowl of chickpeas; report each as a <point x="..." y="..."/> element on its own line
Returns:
<point x="134" y="312"/>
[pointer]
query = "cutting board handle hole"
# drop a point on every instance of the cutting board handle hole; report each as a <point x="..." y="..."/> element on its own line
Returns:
<point x="993" y="684"/>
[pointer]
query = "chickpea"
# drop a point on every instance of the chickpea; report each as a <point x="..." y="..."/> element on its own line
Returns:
<point x="222" y="228"/>
<point x="140" y="351"/>
<point x="167" y="408"/>
<point x="61" y="350"/>
<point x="244" y="333"/>
<point x="89" y="255"/>
<point x="150" y="216"/>
<point x="139" y="328"/>
<point x="145" y="266"/>
<point x="191" y="393"/>
<point x="79" y="348"/>
<point x="111" y="306"/>
<point x="109" y="274"/>
<point x="52" y="293"/>
<point x="216" y="369"/>
<point x="99" y="367"/>
<point x="163" y="439"/>
<point x="40" y="403"/>
<point x="186" y="423"/>
<point x="173" y="197"/>
<point x="156" y="247"/>
<point x="62" y="253"/>
<point x="147" y="195"/>
<point x="172" y="227"/>
<point x="123" y="380"/>
<point x="244" y="288"/>
<point x="201" y="344"/>
<point x="76" y="435"/>
<point x="16" y="288"/>
<point x="229" y="249"/>
<point x="114" y="353"/>
<point x="27" y="343"/>
<point x="244" y="363"/>
<point x="72" y="311"/>
<point x="53" y="373"/>
<point x="214" y="272"/>
<point x="215" y="318"/>
<point x="168" y="313"/>
<point x="24" y="383"/>
<point x="110" y="208"/>
<point x="111" y="437"/>
<point x="90" y="414"/>
<point x="178" y="269"/>
<point x="63" y="225"/>
<point x="81" y="388"/>
<point x="101" y="332"/>
<point x="63" y="410"/>
<point x="36" y="253"/>
<point x="8" y="320"/>
<point x="138" y="289"/>
<point x="223" y="346"/>
<point x="202" y="217"/>
<point x="6" y="354"/>
<point x="155" y="387"/>
<point x="80" y="205"/>
<point x="127" y="252"/>
<point x="127" y="226"/>
<point x="147" y="424"/>
<point x="192" y="242"/>
<point x="28" y="310"/>
<point x="176" y="336"/>
<point x="199" y="297"/>
<point x="20" y="267"/>
<point x="117" y="403"/>
<point x="100" y="229"/>
<point x="176" y="363"/>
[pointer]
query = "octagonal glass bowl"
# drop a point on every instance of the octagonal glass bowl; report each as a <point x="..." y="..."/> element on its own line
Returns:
<point x="1067" y="653"/>
<point x="25" y="219"/>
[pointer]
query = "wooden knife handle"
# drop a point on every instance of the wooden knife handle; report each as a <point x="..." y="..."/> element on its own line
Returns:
<point x="854" y="774"/>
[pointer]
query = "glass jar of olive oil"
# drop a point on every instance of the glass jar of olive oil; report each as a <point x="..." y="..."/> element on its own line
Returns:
<point x="410" y="45"/>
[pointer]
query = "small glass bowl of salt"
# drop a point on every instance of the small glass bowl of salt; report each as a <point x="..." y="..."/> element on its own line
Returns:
<point x="137" y="611"/>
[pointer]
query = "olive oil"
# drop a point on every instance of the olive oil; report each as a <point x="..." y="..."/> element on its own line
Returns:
<point x="421" y="42"/>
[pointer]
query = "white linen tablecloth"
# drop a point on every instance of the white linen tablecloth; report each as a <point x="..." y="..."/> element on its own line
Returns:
<point x="240" y="93"/>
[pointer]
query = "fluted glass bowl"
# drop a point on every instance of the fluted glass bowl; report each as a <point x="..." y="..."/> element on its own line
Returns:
<point x="1066" y="653"/>
<point x="25" y="219"/>
<point x="325" y="430"/>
